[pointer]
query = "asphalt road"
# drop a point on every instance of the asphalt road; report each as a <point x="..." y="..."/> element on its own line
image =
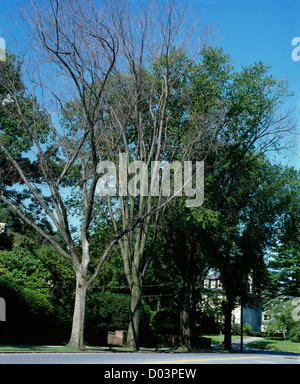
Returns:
<point x="133" y="358"/>
<point x="123" y="360"/>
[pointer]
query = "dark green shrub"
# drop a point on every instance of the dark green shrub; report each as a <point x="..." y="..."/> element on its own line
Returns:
<point x="105" y="311"/>
<point x="294" y="333"/>
<point x="165" y="321"/>
<point x="29" y="315"/>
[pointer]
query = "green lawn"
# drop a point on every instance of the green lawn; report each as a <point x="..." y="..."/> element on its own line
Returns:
<point x="34" y="348"/>
<point x="272" y="344"/>
<point x="275" y="344"/>
<point x="218" y="339"/>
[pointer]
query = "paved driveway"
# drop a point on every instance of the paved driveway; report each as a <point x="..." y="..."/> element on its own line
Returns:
<point x="236" y="343"/>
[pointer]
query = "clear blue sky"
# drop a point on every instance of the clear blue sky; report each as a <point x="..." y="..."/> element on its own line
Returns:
<point x="249" y="30"/>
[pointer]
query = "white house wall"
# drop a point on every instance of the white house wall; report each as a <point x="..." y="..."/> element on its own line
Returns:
<point x="251" y="316"/>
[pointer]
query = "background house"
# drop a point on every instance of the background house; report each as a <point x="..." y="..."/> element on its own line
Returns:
<point x="252" y="314"/>
<point x="2" y="228"/>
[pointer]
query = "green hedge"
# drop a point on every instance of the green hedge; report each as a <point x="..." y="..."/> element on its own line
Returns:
<point x="107" y="311"/>
<point x="29" y="315"/>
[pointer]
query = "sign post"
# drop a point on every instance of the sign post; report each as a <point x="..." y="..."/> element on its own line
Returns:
<point x="2" y="309"/>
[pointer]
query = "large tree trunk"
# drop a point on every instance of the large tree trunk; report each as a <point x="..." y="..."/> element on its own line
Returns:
<point x="134" y="316"/>
<point x="227" y="330"/>
<point x="77" y="334"/>
<point x="185" y="331"/>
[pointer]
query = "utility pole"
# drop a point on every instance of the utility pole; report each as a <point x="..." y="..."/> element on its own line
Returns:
<point x="242" y="326"/>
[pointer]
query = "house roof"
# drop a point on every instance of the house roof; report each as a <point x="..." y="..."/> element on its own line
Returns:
<point x="213" y="276"/>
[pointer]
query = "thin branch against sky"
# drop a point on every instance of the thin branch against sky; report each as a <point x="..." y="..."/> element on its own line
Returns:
<point x="250" y="31"/>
